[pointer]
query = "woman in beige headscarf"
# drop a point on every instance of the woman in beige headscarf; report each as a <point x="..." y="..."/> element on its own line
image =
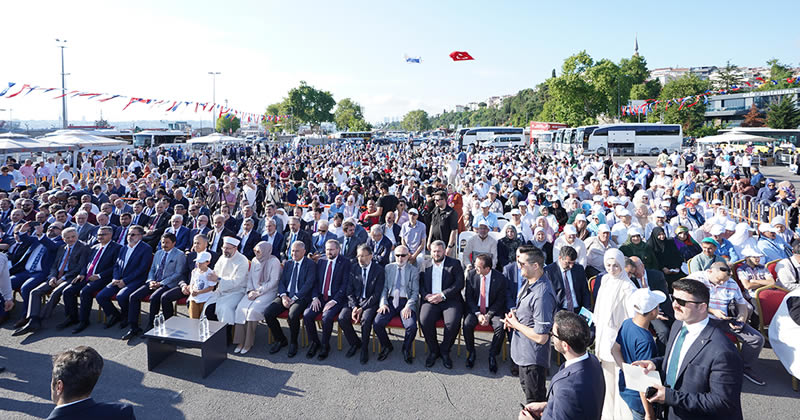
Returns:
<point x="262" y="287"/>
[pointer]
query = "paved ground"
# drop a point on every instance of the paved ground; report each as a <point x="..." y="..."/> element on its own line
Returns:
<point x="253" y="385"/>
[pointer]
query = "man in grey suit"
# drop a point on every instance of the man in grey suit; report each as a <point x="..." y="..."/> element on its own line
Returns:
<point x="400" y="297"/>
<point x="165" y="271"/>
<point x="70" y="258"/>
<point x="84" y="229"/>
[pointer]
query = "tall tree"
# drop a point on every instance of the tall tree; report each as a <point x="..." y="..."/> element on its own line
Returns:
<point x="278" y="108"/>
<point x="728" y="76"/>
<point x="349" y="116"/>
<point x="691" y="118"/>
<point x="416" y="120"/>
<point x="227" y="125"/>
<point x="310" y="105"/>
<point x="572" y="97"/>
<point x="753" y="118"/>
<point x="783" y="114"/>
<point x="778" y="72"/>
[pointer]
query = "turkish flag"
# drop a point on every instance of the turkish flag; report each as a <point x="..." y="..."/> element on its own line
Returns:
<point x="460" y="56"/>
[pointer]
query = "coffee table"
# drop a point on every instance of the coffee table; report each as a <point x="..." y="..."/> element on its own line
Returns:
<point x="185" y="332"/>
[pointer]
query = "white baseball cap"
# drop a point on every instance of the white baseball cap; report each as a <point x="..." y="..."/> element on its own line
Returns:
<point x="645" y="300"/>
<point x="603" y="228"/>
<point x="202" y="257"/>
<point x="570" y="230"/>
<point x="766" y="227"/>
<point x="716" y="230"/>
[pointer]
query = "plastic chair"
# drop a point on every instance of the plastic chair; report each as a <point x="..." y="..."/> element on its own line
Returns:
<point x="463" y="237"/>
<point x="591" y="288"/>
<point x="768" y="299"/>
<point x="735" y="276"/>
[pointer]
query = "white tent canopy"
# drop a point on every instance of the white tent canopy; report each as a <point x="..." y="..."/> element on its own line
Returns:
<point x="18" y="143"/>
<point x="79" y="140"/>
<point x="214" y="138"/>
<point x="733" y="137"/>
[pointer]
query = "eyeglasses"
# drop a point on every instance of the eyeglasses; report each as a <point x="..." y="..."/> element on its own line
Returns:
<point x="552" y="334"/>
<point x="683" y="302"/>
<point x="724" y="269"/>
<point x="400" y="255"/>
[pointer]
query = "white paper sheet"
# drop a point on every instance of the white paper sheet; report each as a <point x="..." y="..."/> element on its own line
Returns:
<point x="636" y="380"/>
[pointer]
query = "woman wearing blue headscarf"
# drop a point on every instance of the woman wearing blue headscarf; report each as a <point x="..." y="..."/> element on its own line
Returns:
<point x="768" y="191"/>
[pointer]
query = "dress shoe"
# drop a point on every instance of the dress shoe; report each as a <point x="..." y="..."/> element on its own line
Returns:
<point x="492" y="364"/>
<point x="277" y="346"/>
<point x="21" y="323"/>
<point x="323" y="354"/>
<point x="447" y="361"/>
<point x="113" y="319"/>
<point x="352" y="350"/>
<point x="123" y="323"/>
<point x="514" y="369"/>
<point x="312" y="350"/>
<point x="385" y="352"/>
<point x="244" y="351"/>
<point x="81" y="326"/>
<point x="470" y="359"/>
<point x="431" y="360"/>
<point x="364" y="356"/>
<point x="30" y="327"/>
<point x="292" y="350"/>
<point x="133" y="332"/>
<point x="66" y="323"/>
<point x="238" y="349"/>
<point x="407" y="357"/>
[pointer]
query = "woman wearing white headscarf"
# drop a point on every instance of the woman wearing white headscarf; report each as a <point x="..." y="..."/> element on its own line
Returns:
<point x="742" y="238"/>
<point x="262" y="287"/>
<point x="610" y="310"/>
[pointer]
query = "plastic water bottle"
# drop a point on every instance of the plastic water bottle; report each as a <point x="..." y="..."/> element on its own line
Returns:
<point x="157" y="324"/>
<point x="203" y="327"/>
<point x="161" y="325"/>
<point x="206" y="332"/>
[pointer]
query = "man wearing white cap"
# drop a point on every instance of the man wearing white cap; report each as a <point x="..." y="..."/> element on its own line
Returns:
<point x="726" y="250"/>
<point x="526" y="216"/>
<point x="231" y="270"/>
<point x="788" y="270"/>
<point x="659" y="220"/>
<point x="769" y="244"/>
<point x="569" y="237"/>
<point x="479" y="244"/>
<point x="496" y="206"/>
<point x="752" y="273"/>
<point x="486" y="216"/>
<point x="523" y="228"/>
<point x="619" y="232"/>
<point x="635" y="342"/>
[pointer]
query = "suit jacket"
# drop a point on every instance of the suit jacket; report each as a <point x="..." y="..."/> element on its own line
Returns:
<point x="93" y="236"/>
<point x="411" y="275"/>
<point x="306" y="278"/>
<point x="577" y="391"/>
<point x="395" y="230"/>
<point x="133" y="273"/>
<point x="113" y="219"/>
<point x="579" y="285"/>
<point x="318" y="242"/>
<point x="173" y="267"/>
<point x="511" y="273"/>
<point x="495" y="302"/>
<point x="91" y="410"/>
<point x="247" y="246"/>
<point x="182" y="238"/>
<point x="142" y="220"/>
<point x="195" y="232"/>
<point x="709" y="381"/>
<point x="302" y="236"/>
<point x="374" y="287"/>
<point x="105" y="265"/>
<point x="339" y="279"/>
<point x="29" y="242"/>
<point x="277" y="243"/>
<point x="85" y="232"/>
<point x="452" y="279"/>
<point x="77" y="260"/>
<point x="212" y="234"/>
<point x="381" y="253"/>
<point x="352" y="247"/>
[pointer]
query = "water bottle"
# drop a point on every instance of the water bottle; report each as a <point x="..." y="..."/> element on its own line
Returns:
<point x="157" y="324"/>
<point x="162" y="327"/>
<point x="203" y="327"/>
<point x="206" y="332"/>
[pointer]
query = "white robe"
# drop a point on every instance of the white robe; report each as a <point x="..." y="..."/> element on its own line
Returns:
<point x="784" y="336"/>
<point x="253" y="310"/>
<point x="231" y="286"/>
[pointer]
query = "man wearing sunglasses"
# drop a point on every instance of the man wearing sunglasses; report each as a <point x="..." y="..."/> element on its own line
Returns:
<point x="702" y="370"/>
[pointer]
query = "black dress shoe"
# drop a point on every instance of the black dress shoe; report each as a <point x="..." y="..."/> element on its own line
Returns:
<point x="113" y="319"/>
<point x="292" y="350"/>
<point x="323" y="354"/>
<point x="447" y="361"/>
<point x="30" y="327"/>
<point x="492" y="364"/>
<point x="66" y="323"/>
<point x="312" y="350"/>
<point x="20" y="323"/>
<point x="133" y="332"/>
<point x="352" y="350"/>
<point x="277" y="346"/>
<point x="364" y="356"/>
<point x="470" y="359"/>
<point x="431" y="360"/>
<point x="81" y="326"/>
<point x="407" y="357"/>
<point x="385" y="352"/>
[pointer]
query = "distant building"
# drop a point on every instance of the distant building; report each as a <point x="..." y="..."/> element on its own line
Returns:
<point x="729" y="110"/>
<point x="460" y="108"/>
<point x="668" y="74"/>
<point x="472" y="106"/>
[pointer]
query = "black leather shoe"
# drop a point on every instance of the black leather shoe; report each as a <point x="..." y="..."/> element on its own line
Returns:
<point x="323" y="354"/>
<point x="28" y="328"/>
<point x="447" y="361"/>
<point x="312" y="350"/>
<point x="492" y="364"/>
<point x="66" y="323"/>
<point x="21" y="323"/>
<point x="514" y="369"/>
<point x="352" y="350"/>
<point x="364" y="356"/>
<point x="407" y="357"/>
<point x="113" y="319"/>
<point x="470" y="359"/>
<point x="81" y="326"/>
<point x="431" y="360"/>
<point x="133" y="332"/>
<point x="385" y="352"/>
<point x="123" y="323"/>
<point x="292" y="350"/>
<point x="277" y="346"/>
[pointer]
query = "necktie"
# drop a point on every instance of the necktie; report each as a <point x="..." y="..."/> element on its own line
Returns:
<point x="346" y="242"/>
<point x="160" y="271"/>
<point x="122" y="234"/>
<point x="328" y="276"/>
<point x="644" y="282"/>
<point x="293" y="280"/>
<point x="364" y="281"/>
<point x="64" y="263"/>
<point x="90" y="271"/>
<point x="155" y="221"/>
<point x="397" y="285"/>
<point x="674" y="358"/>
<point x="568" y="293"/>
<point x="483" y="295"/>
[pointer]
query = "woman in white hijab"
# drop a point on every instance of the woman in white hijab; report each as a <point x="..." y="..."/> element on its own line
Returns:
<point x="610" y="310"/>
<point x="262" y="287"/>
<point x="742" y="238"/>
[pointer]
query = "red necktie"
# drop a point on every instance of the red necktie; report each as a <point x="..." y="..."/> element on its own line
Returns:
<point x="94" y="263"/>
<point x="328" y="276"/>
<point x="483" y="294"/>
<point x="153" y="225"/>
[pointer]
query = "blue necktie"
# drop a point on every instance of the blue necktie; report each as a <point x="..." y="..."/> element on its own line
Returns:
<point x="674" y="358"/>
<point x="293" y="280"/>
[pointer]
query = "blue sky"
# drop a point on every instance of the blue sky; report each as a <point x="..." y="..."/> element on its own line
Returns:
<point x="164" y="49"/>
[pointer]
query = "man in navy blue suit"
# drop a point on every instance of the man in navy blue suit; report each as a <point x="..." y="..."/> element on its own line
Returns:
<point x="577" y="389"/>
<point x="569" y="281"/>
<point x="130" y="272"/>
<point x="294" y="295"/>
<point x="35" y="264"/>
<point x="75" y="373"/>
<point x="381" y="247"/>
<point x="320" y="238"/>
<point x="329" y="296"/>
<point x="181" y="232"/>
<point x="702" y="370"/>
<point x="363" y="296"/>
<point x="273" y="237"/>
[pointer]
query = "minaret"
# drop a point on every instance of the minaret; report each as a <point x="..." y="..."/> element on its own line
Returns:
<point x="636" y="45"/>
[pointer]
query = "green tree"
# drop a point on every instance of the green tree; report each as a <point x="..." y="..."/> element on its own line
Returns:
<point x="572" y="97"/>
<point x="647" y="90"/>
<point x="227" y="125"/>
<point x="278" y="108"/>
<point x="728" y="76"/>
<point x="779" y="72"/>
<point x="783" y="114"/>
<point x="691" y="118"/>
<point x="349" y="116"/>
<point x="310" y="105"/>
<point x="416" y="120"/>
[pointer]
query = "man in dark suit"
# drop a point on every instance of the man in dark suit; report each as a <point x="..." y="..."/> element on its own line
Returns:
<point x="216" y="234"/>
<point x="198" y="226"/>
<point x="181" y="232"/>
<point x="321" y="237"/>
<point x="121" y="232"/>
<point x="363" y="295"/>
<point x="702" y="369"/>
<point x="350" y="241"/>
<point x="381" y="247"/>
<point x="130" y="272"/>
<point x="440" y="288"/>
<point x="248" y="238"/>
<point x="577" y="389"/>
<point x="138" y="217"/>
<point x="273" y="236"/>
<point x="329" y="296"/>
<point x="94" y="276"/>
<point x="75" y="373"/>
<point x="294" y="234"/>
<point x="294" y="295"/>
<point x="654" y="280"/>
<point x="569" y="281"/>
<point x="33" y="267"/>
<point x="83" y="227"/>
<point x="158" y="223"/>
<point x="485" y="297"/>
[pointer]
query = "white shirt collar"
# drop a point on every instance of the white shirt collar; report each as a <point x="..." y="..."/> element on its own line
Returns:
<point x="576" y="360"/>
<point x="697" y="326"/>
<point x="74" y="402"/>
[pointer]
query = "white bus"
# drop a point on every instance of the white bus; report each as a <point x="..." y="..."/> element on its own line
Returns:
<point x="543" y="139"/>
<point x="155" y="138"/>
<point x="565" y="140"/>
<point x="582" y="137"/>
<point x="483" y="134"/>
<point x="634" y="139"/>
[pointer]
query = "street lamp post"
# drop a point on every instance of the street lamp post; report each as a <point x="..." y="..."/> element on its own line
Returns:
<point x="213" y="97"/>
<point x="62" y="45"/>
